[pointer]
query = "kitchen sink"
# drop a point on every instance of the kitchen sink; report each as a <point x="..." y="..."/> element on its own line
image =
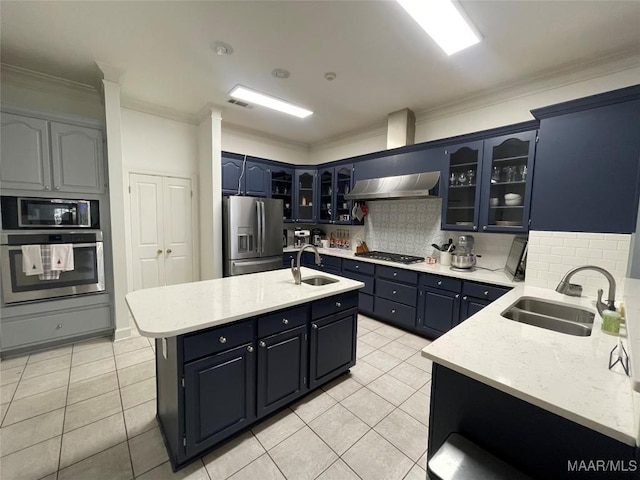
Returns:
<point x="551" y="316"/>
<point x="318" y="281"/>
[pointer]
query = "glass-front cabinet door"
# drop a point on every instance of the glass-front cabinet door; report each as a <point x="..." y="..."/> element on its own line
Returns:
<point x="282" y="188"/>
<point x="506" y="182"/>
<point x="326" y="192"/>
<point x="461" y="198"/>
<point x="305" y="181"/>
<point x="343" y="176"/>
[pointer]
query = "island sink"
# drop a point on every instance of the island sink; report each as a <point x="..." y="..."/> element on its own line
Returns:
<point x="318" y="281"/>
<point x="552" y="316"/>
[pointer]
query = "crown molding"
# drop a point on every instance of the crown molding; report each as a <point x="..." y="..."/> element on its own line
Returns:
<point x="273" y="139"/>
<point x="353" y="135"/>
<point x="568" y="74"/>
<point x="142" y="106"/>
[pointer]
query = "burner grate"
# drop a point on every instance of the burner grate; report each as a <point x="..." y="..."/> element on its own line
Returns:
<point x="390" y="257"/>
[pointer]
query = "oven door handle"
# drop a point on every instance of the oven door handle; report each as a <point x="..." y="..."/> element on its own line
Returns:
<point x="75" y="245"/>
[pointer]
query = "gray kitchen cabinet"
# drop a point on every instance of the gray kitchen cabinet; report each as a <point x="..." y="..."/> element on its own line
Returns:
<point x="39" y="155"/>
<point x="26" y="163"/>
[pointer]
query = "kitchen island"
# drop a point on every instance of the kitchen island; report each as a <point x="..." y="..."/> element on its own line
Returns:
<point x="231" y="351"/>
<point x="541" y="400"/>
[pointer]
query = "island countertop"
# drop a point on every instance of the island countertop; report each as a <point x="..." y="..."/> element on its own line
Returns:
<point x="189" y="307"/>
<point x="563" y="374"/>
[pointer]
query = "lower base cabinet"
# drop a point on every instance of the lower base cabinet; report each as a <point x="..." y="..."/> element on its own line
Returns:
<point x="438" y="311"/>
<point x="217" y="382"/>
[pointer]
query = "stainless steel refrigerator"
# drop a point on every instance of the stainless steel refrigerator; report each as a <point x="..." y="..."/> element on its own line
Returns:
<point x="252" y="235"/>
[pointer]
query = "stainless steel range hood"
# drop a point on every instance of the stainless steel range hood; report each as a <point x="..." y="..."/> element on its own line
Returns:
<point x="416" y="185"/>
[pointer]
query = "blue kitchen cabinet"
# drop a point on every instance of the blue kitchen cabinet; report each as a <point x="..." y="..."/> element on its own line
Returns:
<point x="385" y="164"/>
<point x="304" y="202"/>
<point x="232" y="175"/>
<point x="587" y="171"/>
<point x="460" y="186"/>
<point x="242" y="176"/>
<point x="333" y="184"/>
<point x="438" y="311"/>
<point x="326" y="194"/>
<point x="507" y="170"/>
<point x="362" y="272"/>
<point x="258" y="178"/>
<point x="396" y="296"/>
<point x="282" y="181"/>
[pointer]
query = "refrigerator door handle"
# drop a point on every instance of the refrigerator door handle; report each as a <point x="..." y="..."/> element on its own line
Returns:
<point x="264" y="224"/>
<point x="259" y="217"/>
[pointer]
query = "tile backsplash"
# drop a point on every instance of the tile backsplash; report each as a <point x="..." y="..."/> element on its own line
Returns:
<point x="552" y="254"/>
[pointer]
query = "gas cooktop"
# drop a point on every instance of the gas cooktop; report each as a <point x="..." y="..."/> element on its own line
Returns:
<point x="390" y="257"/>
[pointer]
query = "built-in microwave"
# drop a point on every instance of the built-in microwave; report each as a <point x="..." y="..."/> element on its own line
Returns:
<point x="30" y="212"/>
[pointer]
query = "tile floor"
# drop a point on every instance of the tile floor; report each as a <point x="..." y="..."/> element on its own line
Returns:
<point x="87" y="411"/>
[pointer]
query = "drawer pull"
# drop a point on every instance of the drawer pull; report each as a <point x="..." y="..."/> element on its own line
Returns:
<point x="315" y="326"/>
<point x="250" y="348"/>
<point x="394" y="292"/>
<point x="457" y="295"/>
<point x="59" y="326"/>
<point x="486" y="292"/>
<point x="357" y="267"/>
<point x="464" y="298"/>
<point x="395" y="274"/>
<point x="393" y="311"/>
<point x="440" y="282"/>
<point x="338" y="304"/>
<point x="262" y="344"/>
<point x="285" y="321"/>
<point x="222" y="340"/>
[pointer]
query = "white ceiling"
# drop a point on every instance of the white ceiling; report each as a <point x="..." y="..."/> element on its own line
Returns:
<point x="383" y="61"/>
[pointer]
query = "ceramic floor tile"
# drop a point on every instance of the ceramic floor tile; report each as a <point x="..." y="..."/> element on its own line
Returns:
<point x="342" y="387"/>
<point x="20" y="465"/>
<point x="369" y="323"/>
<point x="417" y="405"/>
<point x="43" y="383"/>
<point x="3" y="411"/>
<point x="262" y="468"/>
<point x="375" y="339"/>
<point x="29" y="432"/>
<point x="367" y="406"/>
<point x="50" y="353"/>
<point x="63" y="362"/>
<point x="364" y="373"/>
<point x="92" y="369"/>
<point x="277" y="428"/>
<point x="92" y="354"/>
<point x="422" y="463"/>
<point x="338" y="471"/>
<point x="147" y="451"/>
<point x="136" y="373"/>
<point x="426" y="389"/>
<point x="135" y="357"/>
<point x="303" y="455"/>
<point x="91" y="410"/>
<point x="421" y="362"/>
<point x="382" y="361"/>
<point x="91" y="439"/>
<point x="362" y="331"/>
<point x="112" y="464"/>
<point x="138" y="393"/>
<point x="398" y="350"/>
<point x="130" y="344"/>
<point x="7" y="391"/>
<point x="373" y="458"/>
<point x="140" y="418"/>
<point x="391" y="389"/>
<point x="414" y="341"/>
<point x="193" y="471"/>
<point x="313" y="405"/>
<point x="412" y="376"/>
<point x="363" y="349"/>
<point x="405" y="433"/>
<point x="390" y="332"/>
<point x="339" y="428"/>
<point x="92" y="387"/>
<point x="11" y="375"/>
<point x="416" y="473"/>
<point x="233" y="456"/>
<point x="13" y="362"/>
<point x="91" y="343"/>
<point x="35" y="405"/>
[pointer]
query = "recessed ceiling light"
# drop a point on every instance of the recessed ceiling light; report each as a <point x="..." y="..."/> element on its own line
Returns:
<point x="222" y="48"/>
<point x="444" y="22"/>
<point x="280" y="73"/>
<point x="251" y="96"/>
<point x="330" y="76"/>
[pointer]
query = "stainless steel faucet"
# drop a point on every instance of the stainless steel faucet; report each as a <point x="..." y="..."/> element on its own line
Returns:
<point x="295" y="269"/>
<point x="574" y="290"/>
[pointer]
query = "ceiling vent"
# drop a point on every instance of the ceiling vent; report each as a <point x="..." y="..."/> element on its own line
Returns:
<point x="240" y="103"/>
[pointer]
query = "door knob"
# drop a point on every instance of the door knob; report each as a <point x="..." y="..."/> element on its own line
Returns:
<point x="159" y="252"/>
<point x="168" y="250"/>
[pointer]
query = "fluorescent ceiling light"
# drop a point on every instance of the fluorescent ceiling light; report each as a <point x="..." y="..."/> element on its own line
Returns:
<point x="443" y="22"/>
<point x="251" y="96"/>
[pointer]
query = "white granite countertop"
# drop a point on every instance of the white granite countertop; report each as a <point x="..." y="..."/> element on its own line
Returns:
<point x="188" y="307"/>
<point x="564" y="374"/>
<point x="478" y="275"/>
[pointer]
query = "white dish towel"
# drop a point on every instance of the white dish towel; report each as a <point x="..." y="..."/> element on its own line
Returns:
<point x="62" y="257"/>
<point x="31" y="260"/>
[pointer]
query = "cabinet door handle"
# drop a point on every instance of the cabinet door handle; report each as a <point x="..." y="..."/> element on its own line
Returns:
<point x="250" y="349"/>
<point x="457" y="295"/>
<point x="357" y="267"/>
<point x="59" y="326"/>
<point x="285" y="321"/>
<point x="486" y="292"/>
<point x="169" y="250"/>
<point x="159" y="252"/>
<point x="57" y="188"/>
<point x="475" y="228"/>
<point x="262" y="344"/>
<point x="338" y="304"/>
<point x="393" y="311"/>
<point x="464" y="298"/>
<point x="47" y="187"/>
<point x="484" y="228"/>
<point x="395" y="274"/>
<point x="222" y="340"/>
<point x="314" y="326"/>
<point x="440" y="282"/>
<point x="394" y="292"/>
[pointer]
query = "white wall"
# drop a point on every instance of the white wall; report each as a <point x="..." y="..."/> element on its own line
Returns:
<point x="368" y="141"/>
<point x="237" y="140"/>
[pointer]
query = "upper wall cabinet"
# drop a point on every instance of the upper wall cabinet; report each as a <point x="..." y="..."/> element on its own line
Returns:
<point x="232" y="176"/>
<point x="38" y="155"/>
<point x="305" y="196"/>
<point x="333" y="184"/>
<point x="258" y="177"/>
<point x="385" y="164"/>
<point x="587" y="173"/>
<point x="242" y="176"/>
<point x="282" y="179"/>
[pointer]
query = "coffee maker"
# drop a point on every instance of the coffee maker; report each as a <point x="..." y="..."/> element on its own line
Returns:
<point x="301" y="237"/>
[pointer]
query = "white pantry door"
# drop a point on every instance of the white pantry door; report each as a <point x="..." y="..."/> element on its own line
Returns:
<point x="160" y="230"/>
